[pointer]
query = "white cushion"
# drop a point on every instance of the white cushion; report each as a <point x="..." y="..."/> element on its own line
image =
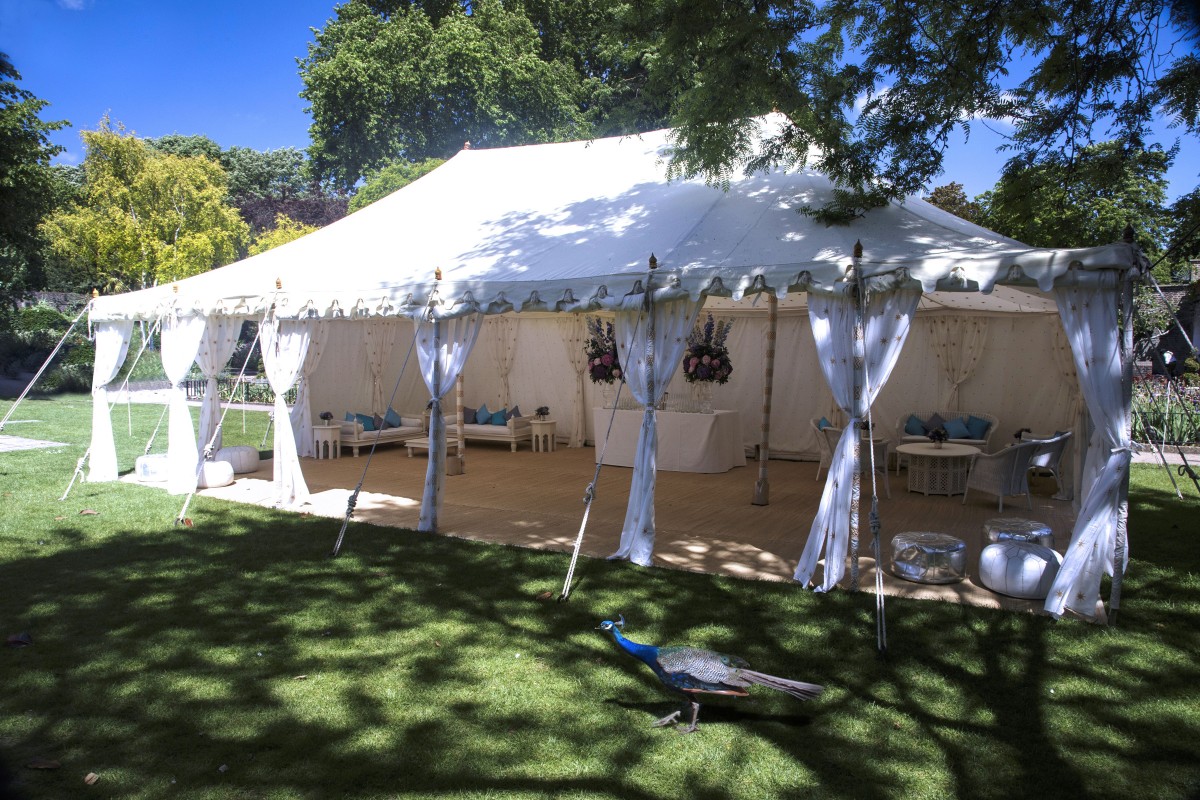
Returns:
<point x="151" y="469"/>
<point x="1019" y="569"/>
<point x="243" y="457"/>
<point x="214" y="474"/>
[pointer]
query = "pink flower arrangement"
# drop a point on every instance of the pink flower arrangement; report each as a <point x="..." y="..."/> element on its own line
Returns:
<point x="706" y="357"/>
<point x="601" y="348"/>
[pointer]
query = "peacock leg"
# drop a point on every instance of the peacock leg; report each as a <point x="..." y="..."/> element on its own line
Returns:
<point x="695" y="723"/>
<point x="667" y="720"/>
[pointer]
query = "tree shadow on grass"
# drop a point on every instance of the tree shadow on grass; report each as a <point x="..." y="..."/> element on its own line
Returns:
<point x="424" y="666"/>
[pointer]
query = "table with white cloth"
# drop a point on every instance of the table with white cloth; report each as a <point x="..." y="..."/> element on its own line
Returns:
<point x="686" y="442"/>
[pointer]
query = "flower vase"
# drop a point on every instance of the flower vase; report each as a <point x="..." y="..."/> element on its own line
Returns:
<point x="701" y="397"/>
<point x="937" y="445"/>
<point x="608" y="394"/>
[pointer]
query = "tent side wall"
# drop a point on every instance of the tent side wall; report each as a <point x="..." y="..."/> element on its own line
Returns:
<point x="1017" y="378"/>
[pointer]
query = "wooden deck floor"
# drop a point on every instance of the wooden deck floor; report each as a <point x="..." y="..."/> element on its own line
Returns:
<point x="704" y="523"/>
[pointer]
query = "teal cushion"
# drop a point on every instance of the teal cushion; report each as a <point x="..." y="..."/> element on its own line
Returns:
<point x="978" y="427"/>
<point x="483" y="416"/>
<point x="350" y="416"/>
<point x="823" y="423"/>
<point x="914" y="426"/>
<point x="468" y="415"/>
<point x="957" y="429"/>
<point x="498" y="418"/>
<point x="392" y="418"/>
<point x="366" y="420"/>
<point x="933" y="423"/>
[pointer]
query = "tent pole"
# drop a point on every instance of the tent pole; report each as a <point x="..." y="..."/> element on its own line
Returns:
<point x="458" y="465"/>
<point x="762" y="488"/>
<point x="857" y="401"/>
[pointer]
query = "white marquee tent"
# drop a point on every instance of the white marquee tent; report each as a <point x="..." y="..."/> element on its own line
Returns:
<point x="527" y="239"/>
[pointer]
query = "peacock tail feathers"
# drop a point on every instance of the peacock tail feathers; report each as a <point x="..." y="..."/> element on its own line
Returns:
<point x="798" y="689"/>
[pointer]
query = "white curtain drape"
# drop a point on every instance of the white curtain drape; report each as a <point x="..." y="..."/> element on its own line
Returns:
<point x="216" y="348"/>
<point x="504" y="344"/>
<point x="662" y="333"/>
<point x="112" y="345"/>
<point x="180" y="343"/>
<point x="301" y="414"/>
<point x="442" y="349"/>
<point x="573" y="333"/>
<point x="1064" y="361"/>
<point x="958" y="344"/>
<point x="1089" y="316"/>
<point x="380" y="335"/>
<point x="832" y="317"/>
<point x="284" y="349"/>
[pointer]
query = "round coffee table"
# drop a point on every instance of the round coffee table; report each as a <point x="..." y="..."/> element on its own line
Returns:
<point x="938" y="470"/>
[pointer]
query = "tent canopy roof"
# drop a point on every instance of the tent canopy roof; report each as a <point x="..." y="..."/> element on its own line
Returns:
<point x="571" y="227"/>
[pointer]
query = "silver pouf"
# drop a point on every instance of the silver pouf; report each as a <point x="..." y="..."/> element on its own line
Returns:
<point x="1000" y="529"/>
<point x="926" y="557"/>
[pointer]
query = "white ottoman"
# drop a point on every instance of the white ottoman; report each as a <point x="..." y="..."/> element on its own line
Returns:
<point x="151" y="469"/>
<point x="214" y="474"/>
<point x="243" y="458"/>
<point x="927" y="557"/>
<point x="1019" y="569"/>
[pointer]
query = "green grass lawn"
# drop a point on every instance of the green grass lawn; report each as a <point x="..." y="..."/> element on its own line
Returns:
<point x="234" y="659"/>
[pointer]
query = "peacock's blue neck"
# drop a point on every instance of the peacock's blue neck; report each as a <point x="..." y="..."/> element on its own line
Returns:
<point x="644" y="652"/>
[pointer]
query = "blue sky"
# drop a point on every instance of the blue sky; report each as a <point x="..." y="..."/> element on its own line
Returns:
<point x="228" y="70"/>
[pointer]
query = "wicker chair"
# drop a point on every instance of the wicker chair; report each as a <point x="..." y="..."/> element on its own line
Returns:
<point x="1004" y="473"/>
<point x="822" y="446"/>
<point x="831" y="437"/>
<point x="1048" y="456"/>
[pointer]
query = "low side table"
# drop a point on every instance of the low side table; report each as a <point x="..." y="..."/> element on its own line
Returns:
<point x="420" y="444"/>
<point x="327" y="441"/>
<point x="938" y="470"/>
<point x="544" y="431"/>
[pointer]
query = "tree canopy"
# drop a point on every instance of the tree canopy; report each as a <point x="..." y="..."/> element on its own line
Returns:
<point x="415" y="80"/>
<point x="285" y="230"/>
<point x="395" y="175"/>
<point x="1085" y="201"/>
<point x="27" y="183"/>
<point x="146" y="217"/>
<point x="263" y="185"/>
<point x="872" y="94"/>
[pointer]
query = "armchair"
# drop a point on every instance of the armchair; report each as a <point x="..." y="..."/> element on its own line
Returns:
<point x="1004" y="473"/>
<point x="1048" y="456"/>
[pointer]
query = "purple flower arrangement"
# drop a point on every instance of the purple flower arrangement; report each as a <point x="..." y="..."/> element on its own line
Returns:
<point x="603" y="364"/>
<point x="706" y="358"/>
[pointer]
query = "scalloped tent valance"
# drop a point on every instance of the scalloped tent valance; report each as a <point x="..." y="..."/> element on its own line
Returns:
<point x="570" y="227"/>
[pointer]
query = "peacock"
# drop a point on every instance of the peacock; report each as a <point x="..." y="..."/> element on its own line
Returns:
<point x="690" y="671"/>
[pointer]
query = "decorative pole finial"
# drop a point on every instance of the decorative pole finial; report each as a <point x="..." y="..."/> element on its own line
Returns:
<point x="279" y="283"/>
<point x="437" y="273"/>
<point x="1128" y="235"/>
<point x="95" y="292"/>
<point x="858" y="249"/>
<point x="175" y="288"/>
<point x="467" y="145"/>
<point x="653" y="262"/>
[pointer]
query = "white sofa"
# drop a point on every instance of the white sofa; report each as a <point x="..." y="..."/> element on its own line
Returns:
<point x="516" y="430"/>
<point x="354" y="437"/>
<point x="909" y="438"/>
<point x="982" y="444"/>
